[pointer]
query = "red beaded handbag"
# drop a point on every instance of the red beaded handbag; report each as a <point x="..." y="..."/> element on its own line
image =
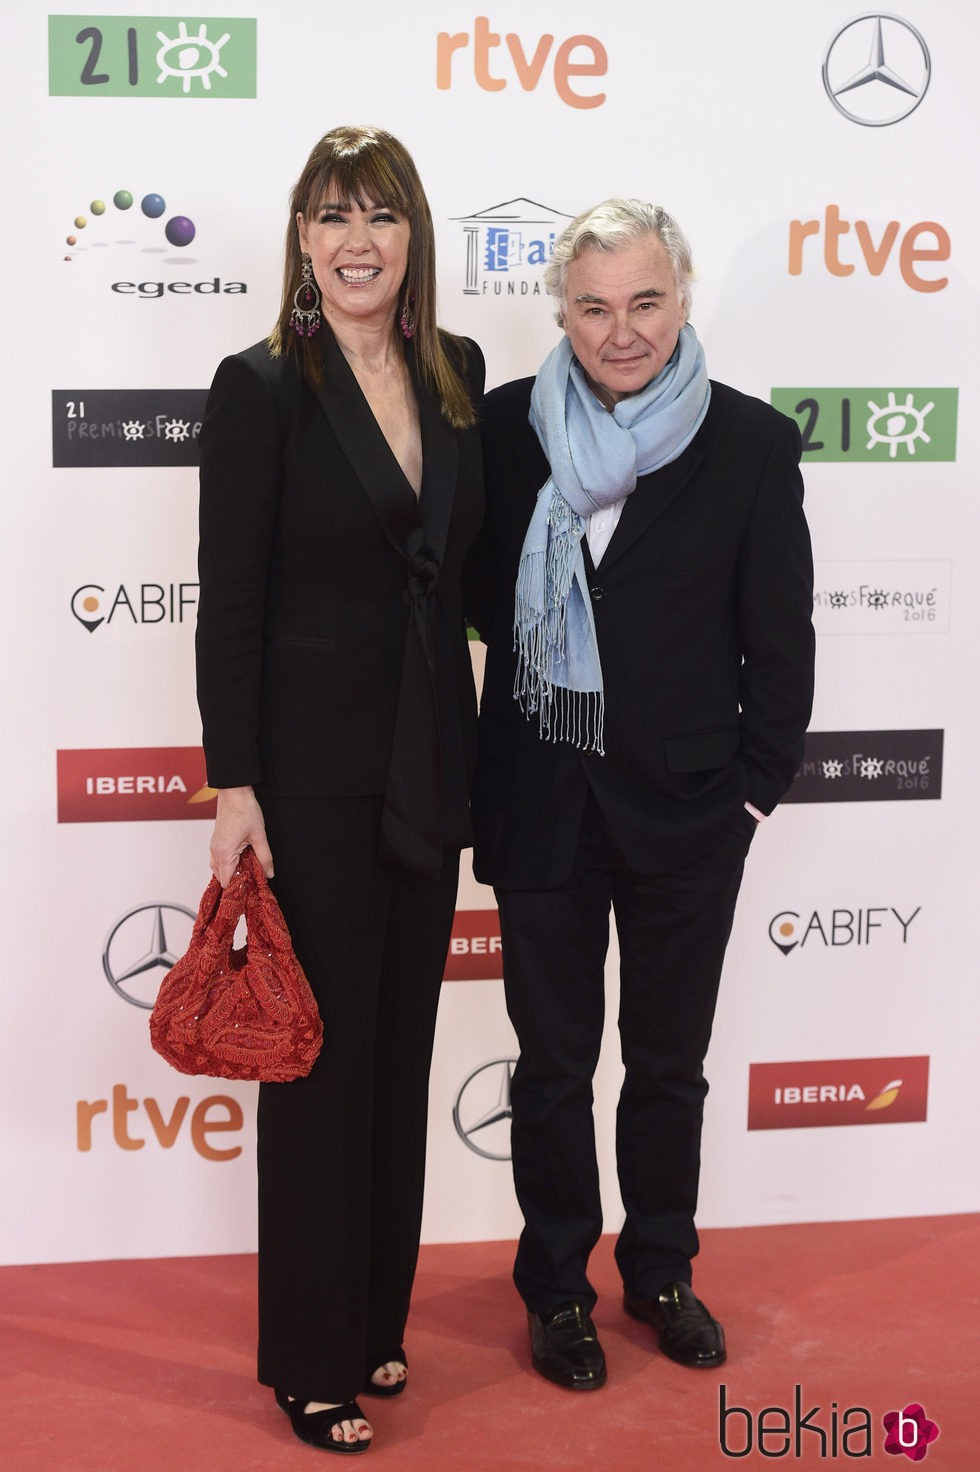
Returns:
<point x="247" y="1013"/>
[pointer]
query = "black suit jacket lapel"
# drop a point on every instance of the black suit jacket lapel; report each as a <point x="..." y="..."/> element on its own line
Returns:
<point x="367" y="450"/>
<point x="649" y="501"/>
<point x="440" y="456"/>
<point x="398" y="510"/>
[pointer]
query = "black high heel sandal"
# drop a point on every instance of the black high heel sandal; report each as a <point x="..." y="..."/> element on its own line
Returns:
<point x="316" y="1428"/>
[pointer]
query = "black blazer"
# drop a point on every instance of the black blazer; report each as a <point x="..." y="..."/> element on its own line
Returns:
<point x="703" y="605"/>
<point x="304" y="607"/>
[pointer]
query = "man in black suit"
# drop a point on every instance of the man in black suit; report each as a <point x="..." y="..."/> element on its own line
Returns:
<point x="644" y="707"/>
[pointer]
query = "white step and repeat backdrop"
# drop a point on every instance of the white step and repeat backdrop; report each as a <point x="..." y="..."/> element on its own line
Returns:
<point x="817" y="157"/>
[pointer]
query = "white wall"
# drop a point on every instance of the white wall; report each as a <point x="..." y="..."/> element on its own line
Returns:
<point x="718" y="112"/>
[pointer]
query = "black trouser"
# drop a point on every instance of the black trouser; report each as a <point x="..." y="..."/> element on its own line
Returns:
<point x="341" y="1154"/>
<point x="673" y="929"/>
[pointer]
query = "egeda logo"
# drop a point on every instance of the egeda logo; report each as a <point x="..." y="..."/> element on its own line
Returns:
<point x="179" y="231"/>
<point x="112" y="223"/>
<point x="146" y="56"/>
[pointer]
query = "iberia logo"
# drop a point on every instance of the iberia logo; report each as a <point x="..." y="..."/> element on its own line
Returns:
<point x="474" y="948"/>
<point x="785" y="1096"/>
<point x="133" y="784"/>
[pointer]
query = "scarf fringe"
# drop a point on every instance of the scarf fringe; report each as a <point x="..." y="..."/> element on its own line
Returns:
<point x="575" y="717"/>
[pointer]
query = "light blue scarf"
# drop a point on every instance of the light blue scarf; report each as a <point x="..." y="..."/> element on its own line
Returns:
<point x="595" y="457"/>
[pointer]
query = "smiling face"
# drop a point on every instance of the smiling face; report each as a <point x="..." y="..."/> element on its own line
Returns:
<point x="359" y="254"/>
<point x="623" y="312"/>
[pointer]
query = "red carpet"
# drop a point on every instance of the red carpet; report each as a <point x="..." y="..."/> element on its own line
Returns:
<point x="148" y="1366"/>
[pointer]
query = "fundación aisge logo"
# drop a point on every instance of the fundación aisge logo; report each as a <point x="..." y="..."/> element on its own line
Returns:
<point x="507" y="246"/>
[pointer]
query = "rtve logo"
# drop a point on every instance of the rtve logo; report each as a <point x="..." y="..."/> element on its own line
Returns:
<point x="528" y="68"/>
<point x="867" y="251"/>
<point x="218" y="1114"/>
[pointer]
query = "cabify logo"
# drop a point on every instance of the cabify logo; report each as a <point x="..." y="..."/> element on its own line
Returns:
<point x="838" y="927"/>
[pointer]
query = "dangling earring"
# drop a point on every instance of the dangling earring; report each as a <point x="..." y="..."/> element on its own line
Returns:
<point x="305" y="319"/>
<point x="407" y="319"/>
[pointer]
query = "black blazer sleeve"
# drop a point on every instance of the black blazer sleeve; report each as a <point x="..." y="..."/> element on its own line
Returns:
<point x="241" y="478"/>
<point x="775" y="628"/>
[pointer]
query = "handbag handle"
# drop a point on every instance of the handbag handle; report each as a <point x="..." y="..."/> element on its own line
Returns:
<point x="221" y="909"/>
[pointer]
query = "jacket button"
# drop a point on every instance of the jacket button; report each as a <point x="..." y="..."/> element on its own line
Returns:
<point x="597" y="594"/>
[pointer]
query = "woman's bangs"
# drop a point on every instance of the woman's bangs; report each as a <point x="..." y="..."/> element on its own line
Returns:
<point x="362" y="181"/>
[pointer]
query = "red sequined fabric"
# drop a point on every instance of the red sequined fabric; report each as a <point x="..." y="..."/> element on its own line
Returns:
<point x="247" y="1013"/>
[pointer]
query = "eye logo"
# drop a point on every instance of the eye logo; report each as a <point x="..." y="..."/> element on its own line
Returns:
<point x="903" y="424"/>
<point x="190" y="50"/>
<point x="909" y="1431"/>
<point x="179" y="230"/>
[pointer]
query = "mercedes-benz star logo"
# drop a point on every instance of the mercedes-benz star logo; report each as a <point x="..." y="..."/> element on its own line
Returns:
<point x="482" y="1109"/>
<point x="881" y="65"/>
<point x="126" y="957"/>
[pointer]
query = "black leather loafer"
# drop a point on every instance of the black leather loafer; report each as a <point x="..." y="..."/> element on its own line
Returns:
<point x="565" y="1349"/>
<point x="686" y="1332"/>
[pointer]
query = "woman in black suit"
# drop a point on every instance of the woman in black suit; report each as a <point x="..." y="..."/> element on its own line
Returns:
<point x="340" y="490"/>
